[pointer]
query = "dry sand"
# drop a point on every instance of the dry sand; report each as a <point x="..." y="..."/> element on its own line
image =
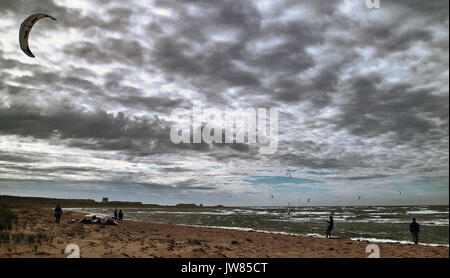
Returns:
<point x="149" y="240"/>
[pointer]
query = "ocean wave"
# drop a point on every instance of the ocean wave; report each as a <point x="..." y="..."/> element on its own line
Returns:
<point x="192" y="212"/>
<point x="315" y="235"/>
<point x="428" y="211"/>
<point x="385" y="213"/>
<point x="395" y="241"/>
<point x="311" y="213"/>
<point x="439" y="222"/>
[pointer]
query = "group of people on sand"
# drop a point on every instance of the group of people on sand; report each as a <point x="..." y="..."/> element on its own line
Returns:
<point x="97" y="220"/>
<point x="118" y="217"/>
<point x="414" y="228"/>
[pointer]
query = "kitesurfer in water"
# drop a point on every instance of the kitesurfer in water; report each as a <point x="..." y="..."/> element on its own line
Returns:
<point x="330" y="227"/>
<point x="414" y="228"/>
<point x="120" y="215"/>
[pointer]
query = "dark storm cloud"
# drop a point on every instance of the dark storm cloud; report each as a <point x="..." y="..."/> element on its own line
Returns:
<point x="79" y="83"/>
<point x="437" y="10"/>
<point x="98" y="131"/>
<point x="90" y="52"/>
<point x="54" y="170"/>
<point x="175" y="169"/>
<point x="214" y="64"/>
<point x="158" y="104"/>
<point x="20" y="6"/>
<point x="211" y="69"/>
<point x="372" y="111"/>
<point x="388" y="38"/>
<point x="344" y="163"/>
<point x="115" y="19"/>
<point x="367" y="177"/>
<point x="109" y="185"/>
<point x="191" y="184"/>
<point x="111" y="131"/>
<point x="16" y="158"/>
<point x="108" y="51"/>
<point x="10" y="63"/>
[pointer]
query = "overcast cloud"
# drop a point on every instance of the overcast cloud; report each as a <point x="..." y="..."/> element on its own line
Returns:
<point x="363" y="99"/>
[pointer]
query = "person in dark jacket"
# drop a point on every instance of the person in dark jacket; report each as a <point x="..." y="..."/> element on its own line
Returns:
<point x="115" y="214"/>
<point x="58" y="213"/>
<point x="330" y="227"/>
<point x="414" y="228"/>
<point x="120" y="215"/>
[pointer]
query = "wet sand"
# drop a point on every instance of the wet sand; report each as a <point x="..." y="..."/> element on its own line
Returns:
<point x="36" y="235"/>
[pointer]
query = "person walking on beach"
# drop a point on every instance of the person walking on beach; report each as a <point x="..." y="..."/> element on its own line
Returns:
<point x="58" y="213"/>
<point x="414" y="228"/>
<point x="330" y="227"/>
<point x="115" y="214"/>
<point x="120" y="215"/>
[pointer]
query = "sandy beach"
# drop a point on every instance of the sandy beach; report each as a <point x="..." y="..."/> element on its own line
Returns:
<point x="36" y="235"/>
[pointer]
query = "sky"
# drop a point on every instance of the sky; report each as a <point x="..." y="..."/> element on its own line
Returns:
<point x="362" y="98"/>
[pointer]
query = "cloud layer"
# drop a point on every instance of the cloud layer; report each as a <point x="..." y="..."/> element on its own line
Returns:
<point x="362" y="97"/>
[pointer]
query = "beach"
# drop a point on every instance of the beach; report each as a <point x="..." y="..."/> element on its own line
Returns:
<point x="37" y="235"/>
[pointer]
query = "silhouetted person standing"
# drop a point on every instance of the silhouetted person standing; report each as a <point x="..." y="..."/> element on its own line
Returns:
<point x="115" y="214"/>
<point x="58" y="213"/>
<point x="120" y="215"/>
<point x="330" y="227"/>
<point x="414" y="228"/>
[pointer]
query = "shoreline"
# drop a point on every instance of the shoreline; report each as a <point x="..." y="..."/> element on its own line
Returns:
<point x="362" y="239"/>
<point x="142" y="239"/>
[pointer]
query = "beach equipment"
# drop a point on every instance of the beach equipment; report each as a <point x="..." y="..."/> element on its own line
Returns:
<point x="25" y="29"/>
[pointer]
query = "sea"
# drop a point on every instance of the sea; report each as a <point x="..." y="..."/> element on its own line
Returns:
<point x="371" y="223"/>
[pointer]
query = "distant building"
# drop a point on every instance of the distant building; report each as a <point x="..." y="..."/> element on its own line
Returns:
<point x="105" y="200"/>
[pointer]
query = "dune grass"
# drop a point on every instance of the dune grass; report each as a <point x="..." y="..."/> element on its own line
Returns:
<point x="8" y="219"/>
<point x="12" y="236"/>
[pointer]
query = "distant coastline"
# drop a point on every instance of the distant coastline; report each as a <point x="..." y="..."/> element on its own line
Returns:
<point x="25" y="201"/>
<point x="18" y="201"/>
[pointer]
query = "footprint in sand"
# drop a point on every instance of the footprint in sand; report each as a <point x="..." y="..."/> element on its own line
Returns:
<point x="222" y="255"/>
<point x="42" y="254"/>
<point x="194" y="242"/>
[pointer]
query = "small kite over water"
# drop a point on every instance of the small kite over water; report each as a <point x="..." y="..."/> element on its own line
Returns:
<point x="25" y="29"/>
